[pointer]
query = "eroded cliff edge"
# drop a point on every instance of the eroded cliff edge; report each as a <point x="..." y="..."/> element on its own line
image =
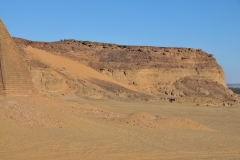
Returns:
<point x="179" y="75"/>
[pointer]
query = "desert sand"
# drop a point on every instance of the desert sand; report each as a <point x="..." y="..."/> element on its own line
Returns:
<point x="40" y="127"/>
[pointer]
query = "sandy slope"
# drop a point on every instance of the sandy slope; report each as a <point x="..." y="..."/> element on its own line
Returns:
<point x="44" y="128"/>
<point x="75" y="68"/>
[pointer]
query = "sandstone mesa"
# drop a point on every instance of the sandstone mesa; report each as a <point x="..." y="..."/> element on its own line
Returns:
<point x="182" y="75"/>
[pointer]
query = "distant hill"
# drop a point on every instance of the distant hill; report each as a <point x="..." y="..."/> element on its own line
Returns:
<point x="233" y="85"/>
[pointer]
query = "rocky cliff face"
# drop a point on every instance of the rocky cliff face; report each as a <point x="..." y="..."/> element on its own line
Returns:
<point x="175" y="74"/>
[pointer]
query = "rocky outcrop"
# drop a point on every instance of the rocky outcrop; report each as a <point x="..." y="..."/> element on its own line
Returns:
<point x="174" y="74"/>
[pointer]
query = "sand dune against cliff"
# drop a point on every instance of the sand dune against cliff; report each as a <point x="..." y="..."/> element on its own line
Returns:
<point x="71" y="66"/>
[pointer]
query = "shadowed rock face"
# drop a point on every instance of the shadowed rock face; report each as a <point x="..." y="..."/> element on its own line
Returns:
<point x="165" y="73"/>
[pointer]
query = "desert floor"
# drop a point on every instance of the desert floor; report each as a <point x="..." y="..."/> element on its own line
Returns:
<point x="69" y="127"/>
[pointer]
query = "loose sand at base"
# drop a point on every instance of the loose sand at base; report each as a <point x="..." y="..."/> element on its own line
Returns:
<point x="45" y="128"/>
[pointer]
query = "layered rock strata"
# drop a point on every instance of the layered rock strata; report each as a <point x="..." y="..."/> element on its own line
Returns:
<point x="174" y="74"/>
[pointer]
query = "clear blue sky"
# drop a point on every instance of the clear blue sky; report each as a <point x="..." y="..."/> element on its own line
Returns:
<point x="212" y="25"/>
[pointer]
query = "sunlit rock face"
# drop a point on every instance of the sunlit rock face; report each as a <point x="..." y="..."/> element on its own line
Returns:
<point x="183" y="74"/>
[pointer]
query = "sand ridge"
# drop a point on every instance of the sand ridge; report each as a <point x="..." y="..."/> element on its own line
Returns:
<point x="146" y="120"/>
